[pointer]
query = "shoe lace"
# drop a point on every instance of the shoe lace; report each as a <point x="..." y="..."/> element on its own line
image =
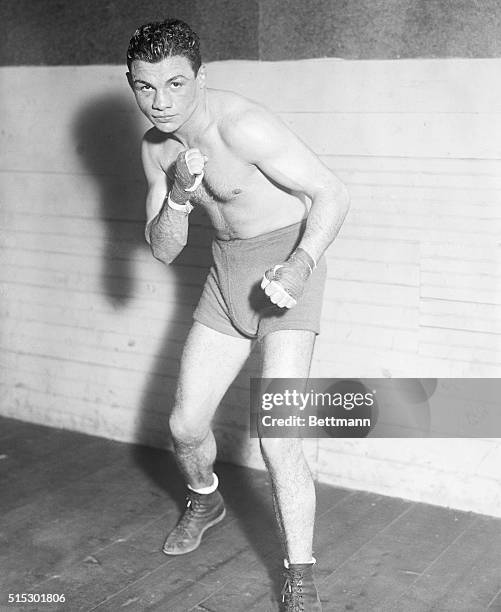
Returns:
<point x="187" y="517"/>
<point x="292" y="591"/>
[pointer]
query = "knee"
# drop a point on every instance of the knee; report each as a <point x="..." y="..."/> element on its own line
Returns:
<point x="186" y="429"/>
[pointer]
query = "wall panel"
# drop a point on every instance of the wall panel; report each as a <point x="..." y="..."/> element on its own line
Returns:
<point x="93" y="326"/>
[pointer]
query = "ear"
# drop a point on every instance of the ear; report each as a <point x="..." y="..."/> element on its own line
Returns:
<point x="129" y="78"/>
<point x="201" y="76"/>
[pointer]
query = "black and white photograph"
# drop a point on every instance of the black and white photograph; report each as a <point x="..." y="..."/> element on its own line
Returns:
<point x="250" y="293"/>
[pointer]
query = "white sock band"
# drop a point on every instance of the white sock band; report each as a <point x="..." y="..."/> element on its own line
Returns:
<point x="286" y="562"/>
<point x="207" y="490"/>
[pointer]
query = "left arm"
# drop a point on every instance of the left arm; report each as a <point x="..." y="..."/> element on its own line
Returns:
<point x="263" y="140"/>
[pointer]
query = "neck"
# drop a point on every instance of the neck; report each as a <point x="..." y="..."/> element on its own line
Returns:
<point x="196" y="123"/>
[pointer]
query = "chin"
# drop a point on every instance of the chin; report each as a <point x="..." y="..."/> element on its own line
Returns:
<point x="167" y="127"/>
<point x="164" y="127"/>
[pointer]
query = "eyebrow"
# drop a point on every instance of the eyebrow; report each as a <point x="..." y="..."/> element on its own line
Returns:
<point x="168" y="80"/>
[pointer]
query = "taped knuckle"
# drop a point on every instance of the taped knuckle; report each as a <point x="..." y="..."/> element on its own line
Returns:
<point x="194" y="154"/>
<point x="196" y="168"/>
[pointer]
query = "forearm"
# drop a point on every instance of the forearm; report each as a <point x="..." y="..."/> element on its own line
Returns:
<point x="328" y="211"/>
<point x="167" y="233"/>
<point x="284" y="284"/>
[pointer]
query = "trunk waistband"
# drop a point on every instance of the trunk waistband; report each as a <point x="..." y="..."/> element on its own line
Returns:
<point x="295" y="228"/>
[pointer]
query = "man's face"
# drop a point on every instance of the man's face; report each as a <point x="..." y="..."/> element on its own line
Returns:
<point x="167" y="92"/>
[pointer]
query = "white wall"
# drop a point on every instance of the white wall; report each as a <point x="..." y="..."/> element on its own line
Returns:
<point x="92" y="325"/>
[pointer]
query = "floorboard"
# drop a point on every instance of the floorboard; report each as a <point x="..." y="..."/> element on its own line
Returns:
<point x="87" y="517"/>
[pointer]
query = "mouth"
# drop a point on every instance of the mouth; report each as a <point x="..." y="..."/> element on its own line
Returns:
<point x="163" y="118"/>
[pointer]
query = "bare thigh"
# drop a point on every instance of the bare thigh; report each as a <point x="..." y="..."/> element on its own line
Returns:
<point x="287" y="353"/>
<point x="209" y="364"/>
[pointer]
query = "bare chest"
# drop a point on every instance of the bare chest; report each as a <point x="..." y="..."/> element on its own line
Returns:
<point x="223" y="183"/>
<point x="217" y="189"/>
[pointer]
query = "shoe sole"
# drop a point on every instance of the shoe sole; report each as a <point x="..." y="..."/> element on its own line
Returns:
<point x="215" y="521"/>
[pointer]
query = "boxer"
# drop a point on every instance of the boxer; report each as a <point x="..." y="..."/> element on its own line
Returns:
<point x="275" y="208"/>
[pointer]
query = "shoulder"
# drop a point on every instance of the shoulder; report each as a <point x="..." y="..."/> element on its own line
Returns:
<point x="154" y="140"/>
<point x="155" y="148"/>
<point x="249" y="128"/>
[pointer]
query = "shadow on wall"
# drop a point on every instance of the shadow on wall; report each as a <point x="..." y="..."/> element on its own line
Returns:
<point x="108" y="137"/>
<point x="108" y="132"/>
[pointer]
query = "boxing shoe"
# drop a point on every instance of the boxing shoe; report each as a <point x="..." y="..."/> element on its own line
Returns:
<point x="299" y="593"/>
<point x="202" y="511"/>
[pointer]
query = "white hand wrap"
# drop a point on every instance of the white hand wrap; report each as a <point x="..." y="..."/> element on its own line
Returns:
<point x="284" y="283"/>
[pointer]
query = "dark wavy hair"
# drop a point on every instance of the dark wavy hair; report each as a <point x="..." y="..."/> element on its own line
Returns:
<point x="155" y="41"/>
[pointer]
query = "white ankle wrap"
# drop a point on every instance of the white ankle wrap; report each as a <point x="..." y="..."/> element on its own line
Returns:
<point x="207" y="490"/>
<point x="287" y="563"/>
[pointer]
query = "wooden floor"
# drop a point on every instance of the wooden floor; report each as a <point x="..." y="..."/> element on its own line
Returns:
<point x="86" y="517"/>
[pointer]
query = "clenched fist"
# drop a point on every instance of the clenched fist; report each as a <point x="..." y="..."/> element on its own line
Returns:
<point x="284" y="283"/>
<point x="188" y="174"/>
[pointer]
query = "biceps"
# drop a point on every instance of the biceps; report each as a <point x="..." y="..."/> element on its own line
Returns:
<point x="299" y="169"/>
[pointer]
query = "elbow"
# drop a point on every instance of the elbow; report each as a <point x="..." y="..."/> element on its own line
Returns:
<point x="161" y="255"/>
<point x="164" y="255"/>
<point x="161" y="258"/>
<point x="163" y="248"/>
<point x="336" y="193"/>
<point x="342" y="198"/>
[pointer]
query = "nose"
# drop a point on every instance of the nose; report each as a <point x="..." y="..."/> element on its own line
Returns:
<point x="162" y="100"/>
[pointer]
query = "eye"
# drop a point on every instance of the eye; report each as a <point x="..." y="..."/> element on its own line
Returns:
<point x="145" y="88"/>
<point x="176" y="84"/>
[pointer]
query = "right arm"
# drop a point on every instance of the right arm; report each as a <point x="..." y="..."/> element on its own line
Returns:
<point x="166" y="229"/>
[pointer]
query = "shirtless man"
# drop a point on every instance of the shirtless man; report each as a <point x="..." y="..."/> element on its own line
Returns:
<point x="275" y="209"/>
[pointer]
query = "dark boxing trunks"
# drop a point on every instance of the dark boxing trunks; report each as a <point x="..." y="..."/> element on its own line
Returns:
<point x="232" y="301"/>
